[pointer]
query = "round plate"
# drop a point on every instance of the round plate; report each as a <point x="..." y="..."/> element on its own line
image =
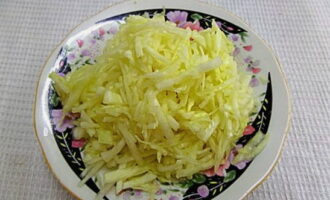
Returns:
<point x="87" y="40"/>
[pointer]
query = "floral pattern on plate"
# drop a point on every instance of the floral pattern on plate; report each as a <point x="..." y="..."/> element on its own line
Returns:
<point x="83" y="48"/>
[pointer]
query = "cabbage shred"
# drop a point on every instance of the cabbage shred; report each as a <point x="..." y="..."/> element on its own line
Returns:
<point x="160" y="102"/>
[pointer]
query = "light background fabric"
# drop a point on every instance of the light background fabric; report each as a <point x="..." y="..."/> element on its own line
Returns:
<point x="298" y="31"/>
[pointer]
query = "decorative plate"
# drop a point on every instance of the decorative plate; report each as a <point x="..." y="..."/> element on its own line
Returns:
<point x="252" y="55"/>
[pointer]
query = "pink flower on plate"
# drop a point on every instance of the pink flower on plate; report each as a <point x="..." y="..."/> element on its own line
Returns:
<point x="209" y="172"/>
<point x="230" y="28"/>
<point x="248" y="59"/>
<point x="86" y="52"/>
<point x="61" y="125"/>
<point x="138" y="193"/>
<point x="252" y="65"/>
<point x="221" y="171"/>
<point x="203" y="191"/>
<point x="78" y="143"/>
<point x="61" y="63"/>
<point x="174" y="198"/>
<point x="248" y="130"/>
<point x="71" y="56"/>
<point x="234" y="37"/>
<point x="255" y="70"/>
<point x="101" y="31"/>
<point x="222" y="168"/>
<point x="193" y="26"/>
<point x="113" y="30"/>
<point x="219" y="24"/>
<point x="80" y="42"/>
<point x="254" y="82"/>
<point x="247" y="48"/>
<point x="178" y="17"/>
<point x="241" y="165"/>
<point x="92" y="41"/>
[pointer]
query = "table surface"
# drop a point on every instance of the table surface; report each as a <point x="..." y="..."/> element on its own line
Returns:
<point x="298" y="31"/>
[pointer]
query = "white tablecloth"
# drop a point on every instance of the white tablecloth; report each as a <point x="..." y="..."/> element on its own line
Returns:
<point x="298" y="31"/>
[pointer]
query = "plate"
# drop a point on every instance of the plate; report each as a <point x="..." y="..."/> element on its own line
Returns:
<point x="87" y="40"/>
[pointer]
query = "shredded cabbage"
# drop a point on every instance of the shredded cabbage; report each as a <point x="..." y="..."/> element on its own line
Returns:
<point x="252" y="148"/>
<point x="160" y="101"/>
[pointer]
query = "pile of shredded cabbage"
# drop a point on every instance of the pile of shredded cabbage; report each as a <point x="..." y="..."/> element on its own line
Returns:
<point x="161" y="102"/>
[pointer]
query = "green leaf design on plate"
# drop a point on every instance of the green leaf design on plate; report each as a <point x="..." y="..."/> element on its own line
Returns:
<point x="221" y="188"/>
<point x="75" y="162"/>
<point x="65" y="48"/>
<point x="199" y="178"/>
<point x="88" y="61"/>
<point x="54" y="100"/>
<point x="186" y="183"/>
<point x="59" y="137"/>
<point x="77" y="61"/>
<point x="243" y="35"/>
<point x="70" y="49"/>
<point x="173" y="190"/>
<point x="196" y="16"/>
<point x="264" y="107"/>
<point x="252" y="114"/>
<point x="230" y="176"/>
